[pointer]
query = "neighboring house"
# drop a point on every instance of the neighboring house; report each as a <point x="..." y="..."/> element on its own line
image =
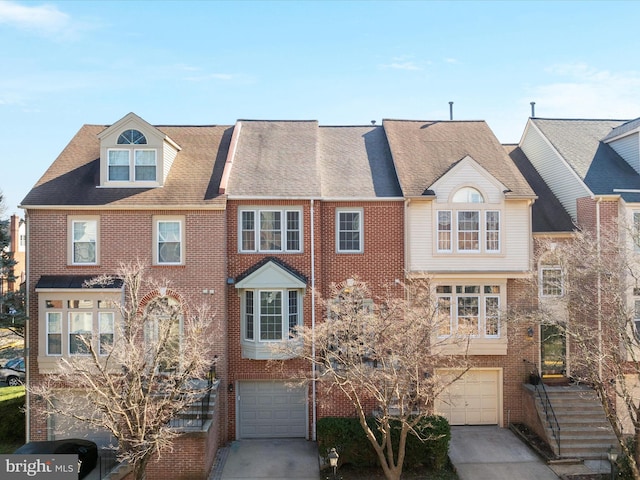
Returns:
<point x="116" y="194"/>
<point x="17" y="247"/>
<point x="593" y="168"/>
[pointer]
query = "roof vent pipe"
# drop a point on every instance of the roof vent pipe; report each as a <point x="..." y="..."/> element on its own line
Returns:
<point x="450" y="110"/>
<point x="533" y="109"/>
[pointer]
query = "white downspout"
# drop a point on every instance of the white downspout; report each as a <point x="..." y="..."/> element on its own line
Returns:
<point x="599" y="289"/>
<point x="313" y="326"/>
<point x="27" y="349"/>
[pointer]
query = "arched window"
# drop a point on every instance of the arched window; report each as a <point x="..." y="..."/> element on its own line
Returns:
<point x="468" y="195"/>
<point x="132" y="137"/>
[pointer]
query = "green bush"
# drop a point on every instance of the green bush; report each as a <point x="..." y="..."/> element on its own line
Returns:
<point x="349" y="439"/>
<point x="12" y="423"/>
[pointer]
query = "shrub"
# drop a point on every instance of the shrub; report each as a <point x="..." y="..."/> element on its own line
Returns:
<point x="349" y="439"/>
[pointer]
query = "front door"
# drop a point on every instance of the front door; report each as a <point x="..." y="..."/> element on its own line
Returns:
<point x="553" y="351"/>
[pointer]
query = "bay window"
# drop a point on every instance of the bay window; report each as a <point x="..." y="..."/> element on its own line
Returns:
<point x="472" y="310"/>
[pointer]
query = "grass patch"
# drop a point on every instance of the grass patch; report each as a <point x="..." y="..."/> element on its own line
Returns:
<point x="12" y="418"/>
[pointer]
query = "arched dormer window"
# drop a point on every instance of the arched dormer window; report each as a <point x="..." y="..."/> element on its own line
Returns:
<point x="128" y="163"/>
<point x="468" y="195"/>
<point x="132" y="137"/>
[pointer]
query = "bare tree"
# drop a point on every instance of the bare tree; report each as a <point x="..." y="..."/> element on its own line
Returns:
<point x="595" y="308"/>
<point x="153" y="368"/>
<point x="387" y="356"/>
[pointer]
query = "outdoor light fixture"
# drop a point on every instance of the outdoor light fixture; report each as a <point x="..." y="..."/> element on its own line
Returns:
<point x="530" y="332"/>
<point x="333" y="460"/>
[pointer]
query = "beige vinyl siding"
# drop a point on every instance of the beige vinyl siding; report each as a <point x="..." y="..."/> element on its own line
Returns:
<point x="515" y="242"/>
<point x="629" y="149"/>
<point x="169" y="155"/>
<point x="467" y="175"/>
<point x="561" y="179"/>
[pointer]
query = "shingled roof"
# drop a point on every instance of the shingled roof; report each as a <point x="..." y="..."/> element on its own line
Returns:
<point x="194" y="178"/>
<point x="300" y="159"/>
<point x="580" y="143"/>
<point x="423" y="151"/>
<point x="547" y="213"/>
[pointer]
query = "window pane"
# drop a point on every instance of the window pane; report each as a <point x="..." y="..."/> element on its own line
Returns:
<point x="444" y="316"/>
<point x="131" y="137"/>
<point x="492" y="319"/>
<point x="552" y="282"/>
<point x="54" y="333"/>
<point x="293" y="231"/>
<point x="293" y="312"/>
<point x="248" y="230"/>
<point x="169" y="239"/>
<point x="145" y="165"/>
<point x="493" y="231"/>
<point x="80" y="328"/>
<point x="349" y="232"/>
<point x="248" y="315"/>
<point x="118" y="165"/>
<point x="468" y="195"/>
<point x="107" y="329"/>
<point x="468" y="231"/>
<point x="468" y="313"/>
<point x="444" y="231"/>
<point x="270" y="231"/>
<point x="270" y="315"/>
<point x="84" y="241"/>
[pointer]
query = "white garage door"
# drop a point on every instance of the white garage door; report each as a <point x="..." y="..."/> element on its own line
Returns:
<point x="271" y="409"/>
<point x="472" y="400"/>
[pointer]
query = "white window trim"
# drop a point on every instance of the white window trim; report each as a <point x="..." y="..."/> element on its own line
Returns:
<point x="132" y="181"/>
<point x="543" y="268"/>
<point x="60" y="313"/>
<point x="283" y="229"/>
<point x="482" y="308"/>
<point x="157" y="219"/>
<point x="101" y="315"/>
<point x="450" y="231"/>
<point x="257" y="348"/>
<point x="360" y="212"/>
<point x="482" y="232"/>
<point x="70" y="312"/>
<point x="71" y="221"/>
<point x="458" y="231"/>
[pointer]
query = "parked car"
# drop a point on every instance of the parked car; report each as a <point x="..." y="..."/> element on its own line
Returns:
<point x="86" y="450"/>
<point x="13" y="372"/>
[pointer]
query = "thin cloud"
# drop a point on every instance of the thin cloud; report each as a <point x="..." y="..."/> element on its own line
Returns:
<point x="582" y="91"/>
<point x="43" y="19"/>
<point x="210" y="76"/>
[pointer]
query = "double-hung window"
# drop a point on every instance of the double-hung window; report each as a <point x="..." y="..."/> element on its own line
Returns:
<point x="551" y="281"/>
<point x="83" y="240"/>
<point x="169" y="240"/>
<point x="636" y="311"/>
<point x="271" y="315"/>
<point x="472" y="310"/>
<point x="349" y="231"/>
<point x="270" y="230"/>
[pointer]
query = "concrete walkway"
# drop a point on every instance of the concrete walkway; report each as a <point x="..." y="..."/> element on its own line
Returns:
<point x="271" y="459"/>
<point x="493" y="453"/>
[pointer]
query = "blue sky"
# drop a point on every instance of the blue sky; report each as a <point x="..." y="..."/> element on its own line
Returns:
<point x="67" y="63"/>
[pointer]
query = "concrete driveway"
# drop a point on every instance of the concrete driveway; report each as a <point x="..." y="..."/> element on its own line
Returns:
<point x="287" y="459"/>
<point x="493" y="453"/>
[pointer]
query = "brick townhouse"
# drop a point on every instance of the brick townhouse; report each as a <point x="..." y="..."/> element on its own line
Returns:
<point x="263" y="215"/>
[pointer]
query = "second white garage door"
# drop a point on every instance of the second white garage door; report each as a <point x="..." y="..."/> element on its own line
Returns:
<point x="474" y="399"/>
<point x="271" y="410"/>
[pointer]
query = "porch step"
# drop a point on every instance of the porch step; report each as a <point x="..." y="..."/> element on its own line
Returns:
<point x="584" y="429"/>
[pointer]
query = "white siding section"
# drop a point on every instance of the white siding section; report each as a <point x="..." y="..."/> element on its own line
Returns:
<point x="465" y="175"/>
<point x="169" y="155"/>
<point x="515" y="242"/>
<point x="629" y="149"/>
<point x="561" y="179"/>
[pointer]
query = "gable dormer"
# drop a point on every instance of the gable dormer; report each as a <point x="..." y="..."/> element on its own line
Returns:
<point x="135" y="154"/>
<point x="625" y="140"/>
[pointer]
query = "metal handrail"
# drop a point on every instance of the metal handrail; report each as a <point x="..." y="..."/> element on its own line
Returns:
<point x="550" y="414"/>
